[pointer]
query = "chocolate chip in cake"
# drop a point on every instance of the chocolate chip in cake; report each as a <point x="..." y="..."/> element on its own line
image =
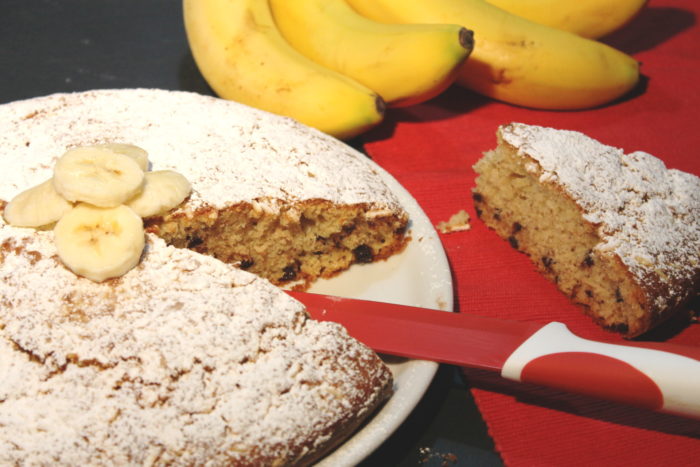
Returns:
<point x="618" y="296"/>
<point x="363" y="254"/>
<point x="517" y="227"/>
<point x="588" y="260"/>
<point x="476" y="196"/>
<point x="547" y="262"/>
<point x="246" y="263"/>
<point x="513" y="242"/>
<point x="290" y="272"/>
<point x="621" y="328"/>
<point x="194" y="241"/>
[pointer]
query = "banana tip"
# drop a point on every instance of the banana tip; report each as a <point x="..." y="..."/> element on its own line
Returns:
<point x="380" y="105"/>
<point x="466" y="38"/>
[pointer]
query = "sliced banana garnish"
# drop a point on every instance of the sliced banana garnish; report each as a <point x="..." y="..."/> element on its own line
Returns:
<point x="162" y="191"/>
<point x="136" y="153"/>
<point x="36" y="207"/>
<point x="98" y="176"/>
<point x="97" y="199"/>
<point x="100" y="243"/>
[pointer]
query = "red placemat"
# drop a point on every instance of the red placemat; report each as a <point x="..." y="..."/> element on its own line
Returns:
<point x="430" y="149"/>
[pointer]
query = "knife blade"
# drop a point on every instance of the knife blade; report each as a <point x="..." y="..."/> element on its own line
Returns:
<point x="656" y="376"/>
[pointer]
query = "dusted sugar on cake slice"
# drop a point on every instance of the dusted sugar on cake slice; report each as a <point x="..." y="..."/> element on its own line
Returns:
<point x="269" y="195"/>
<point x="618" y="233"/>
<point x="184" y="360"/>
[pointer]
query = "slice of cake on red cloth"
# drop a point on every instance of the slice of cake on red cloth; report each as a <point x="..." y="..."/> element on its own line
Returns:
<point x="618" y="233"/>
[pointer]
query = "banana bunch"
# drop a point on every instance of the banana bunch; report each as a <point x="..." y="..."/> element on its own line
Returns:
<point x="96" y="200"/>
<point x="404" y="64"/>
<point x="319" y="61"/>
<point x="523" y="62"/>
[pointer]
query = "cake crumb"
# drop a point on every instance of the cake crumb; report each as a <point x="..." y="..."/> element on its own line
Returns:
<point x="457" y="223"/>
<point x="695" y="310"/>
<point x="426" y="454"/>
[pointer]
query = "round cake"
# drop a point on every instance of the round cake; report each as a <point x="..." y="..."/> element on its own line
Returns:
<point x="269" y="195"/>
<point x="187" y="359"/>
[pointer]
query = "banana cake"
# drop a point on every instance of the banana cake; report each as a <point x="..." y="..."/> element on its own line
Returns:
<point x="183" y="358"/>
<point x="286" y="208"/>
<point x="618" y="233"/>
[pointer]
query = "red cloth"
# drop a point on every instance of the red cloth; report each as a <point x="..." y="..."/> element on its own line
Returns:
<point x="430" y="149"/>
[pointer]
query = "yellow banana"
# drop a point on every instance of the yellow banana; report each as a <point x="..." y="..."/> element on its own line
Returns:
<point x="518" y="61"/>
<point x="587" y="18"/>
<point x="404" y="63"/>
<point x="243" y="57"/>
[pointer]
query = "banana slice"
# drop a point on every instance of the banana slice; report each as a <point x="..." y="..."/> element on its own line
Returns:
<point x="98" y="176"/>
<point x="136" y="153"/>
<point x="36" y="207"/>
<point x="162" y="191"/>
<point x="100" y="243"/>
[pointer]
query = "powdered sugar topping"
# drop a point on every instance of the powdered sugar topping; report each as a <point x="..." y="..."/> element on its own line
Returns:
<point x="184" y="359"/>
<point x="263" y="156"/>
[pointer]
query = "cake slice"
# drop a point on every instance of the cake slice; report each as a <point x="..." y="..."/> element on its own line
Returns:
<point x="618" y="233"/>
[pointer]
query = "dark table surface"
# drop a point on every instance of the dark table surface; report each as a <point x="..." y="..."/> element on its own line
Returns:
<point x="49" y="46"/>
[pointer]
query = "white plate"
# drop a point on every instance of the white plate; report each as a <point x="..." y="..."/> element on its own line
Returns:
<point x="419" y="276"/>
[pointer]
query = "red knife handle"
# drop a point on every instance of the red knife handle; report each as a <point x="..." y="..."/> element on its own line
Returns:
<point x="661" y="380"/>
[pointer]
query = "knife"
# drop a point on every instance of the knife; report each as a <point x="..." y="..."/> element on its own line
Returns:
<point x="656" y="376"/>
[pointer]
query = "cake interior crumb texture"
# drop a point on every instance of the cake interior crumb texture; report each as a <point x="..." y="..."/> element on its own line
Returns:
<point x="295" y="245"/>
<point x="618" y="233"/>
